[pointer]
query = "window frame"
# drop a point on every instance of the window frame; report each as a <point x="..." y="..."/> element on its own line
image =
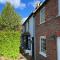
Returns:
<point x="40" y="52"/>
<point x="58" y="7"/>
<point x="43" y="9"/>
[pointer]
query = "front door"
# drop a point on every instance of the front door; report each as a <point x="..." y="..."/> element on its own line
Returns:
<point x="58" y="48"/>
<point x="33" y="47"/>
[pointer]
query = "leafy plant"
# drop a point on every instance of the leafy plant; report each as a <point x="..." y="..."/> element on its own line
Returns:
<point x="10" y="30"/>
<point x="9" y="43"/>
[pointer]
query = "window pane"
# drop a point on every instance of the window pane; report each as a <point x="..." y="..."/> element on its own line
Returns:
<point x="43" y="45"/>
<point x="42" y="15"/>
<point x="29" y="44"/>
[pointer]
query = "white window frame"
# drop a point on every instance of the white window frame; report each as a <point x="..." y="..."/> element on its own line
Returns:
<point x="43" y="9"/>
<point x="40" y="52"/>
<point x="58" y="7"/>
<point x="27" y="28"/>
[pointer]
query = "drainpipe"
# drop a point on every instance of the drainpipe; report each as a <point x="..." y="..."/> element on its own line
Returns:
<point x="34" y="39"/>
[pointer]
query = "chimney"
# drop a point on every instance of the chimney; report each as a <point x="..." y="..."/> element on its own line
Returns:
<point x="37" y="5"/>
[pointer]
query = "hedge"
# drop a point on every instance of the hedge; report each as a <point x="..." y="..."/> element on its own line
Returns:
<point x="9" y="43"/>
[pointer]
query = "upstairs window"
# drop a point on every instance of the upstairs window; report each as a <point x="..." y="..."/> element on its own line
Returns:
<point x="42" y="15"/>
<point x="26" y="26"/>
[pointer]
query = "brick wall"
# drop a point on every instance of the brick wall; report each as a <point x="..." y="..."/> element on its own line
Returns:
<point x="51" y="9"/>
<point x="50" y="27"/>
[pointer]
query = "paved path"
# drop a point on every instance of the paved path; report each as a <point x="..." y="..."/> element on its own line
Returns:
<point x="22" y="57"/>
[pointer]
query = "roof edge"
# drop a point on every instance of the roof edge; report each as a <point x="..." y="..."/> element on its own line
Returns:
<point x="43" y="4"/>
<point x="35" y="11"/>
<point x="28" y="18"/>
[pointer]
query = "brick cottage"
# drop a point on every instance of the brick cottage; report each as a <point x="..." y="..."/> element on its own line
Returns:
<point x="43" y="32"/>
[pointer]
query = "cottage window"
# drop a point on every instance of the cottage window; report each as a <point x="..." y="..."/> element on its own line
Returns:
<point x="42" y="15"/>
<point x="27" y="43"/>
<point x="43" y="45"/>
<point x="27" y="27"/>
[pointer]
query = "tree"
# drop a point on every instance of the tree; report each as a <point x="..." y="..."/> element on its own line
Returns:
<point x="11" y="20"/>
<point x="9" y="40"/>
<point x="1" y="23"/>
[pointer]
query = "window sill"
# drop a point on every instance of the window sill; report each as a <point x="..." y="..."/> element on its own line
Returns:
<point x="58" y="15"/>
<point x="43" y="54"/>
<point x="28" y="52"/>
<point x="42" y="22"/>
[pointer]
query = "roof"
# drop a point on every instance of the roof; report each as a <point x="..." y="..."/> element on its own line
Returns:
<point x="43" y="4"/>
<point x="28" y="18"/>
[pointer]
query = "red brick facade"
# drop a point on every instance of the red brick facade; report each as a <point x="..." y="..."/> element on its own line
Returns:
<point x="49" y="28"/>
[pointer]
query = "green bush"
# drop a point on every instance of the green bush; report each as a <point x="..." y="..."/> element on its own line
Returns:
<point x="9" y="43"/>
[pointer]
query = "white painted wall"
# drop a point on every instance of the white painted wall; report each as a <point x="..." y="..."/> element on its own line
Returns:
<point x="31" y="31"/>
<point x="58" y="48"/>
<point x="27" y="27"/>
<point x="23" y="28"/>
<point x="58" y="7"/>
<point x="31" y="26"/>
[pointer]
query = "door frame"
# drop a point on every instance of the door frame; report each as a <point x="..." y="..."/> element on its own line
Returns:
<point x="57" y="46"/>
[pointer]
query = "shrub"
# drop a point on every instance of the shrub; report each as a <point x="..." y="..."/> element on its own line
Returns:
<point x="9" y="43"/>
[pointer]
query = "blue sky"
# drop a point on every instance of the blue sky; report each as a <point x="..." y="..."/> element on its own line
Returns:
<point x="22" y="7"/>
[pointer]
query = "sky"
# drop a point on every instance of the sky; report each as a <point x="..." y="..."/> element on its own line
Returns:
<point x="22" y="7"/>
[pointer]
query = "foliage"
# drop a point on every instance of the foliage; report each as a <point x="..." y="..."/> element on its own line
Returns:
<point x="10" y="20"/>
<point x="9" y="43"/>
<point x="10" y="25"/>
<point x="21" y="50"/>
